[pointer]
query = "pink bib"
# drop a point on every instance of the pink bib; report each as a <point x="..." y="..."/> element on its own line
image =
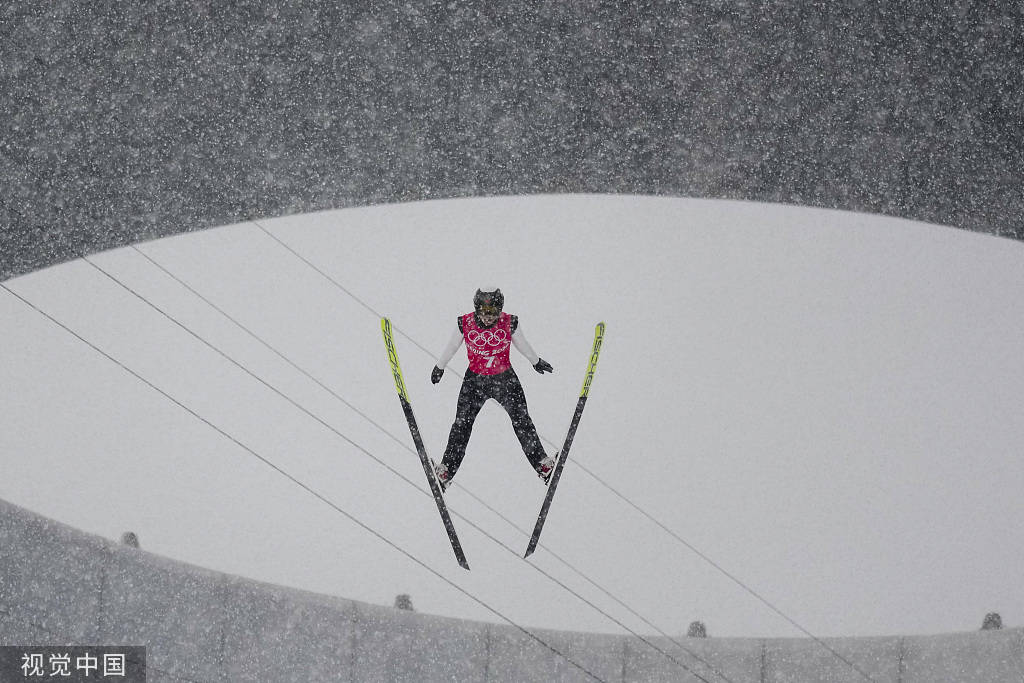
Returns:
<point x="488" y="348"/>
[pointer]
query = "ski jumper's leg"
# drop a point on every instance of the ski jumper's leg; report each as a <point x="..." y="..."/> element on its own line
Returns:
<point x="513" y="400"/>
<point x="472" y="397"/>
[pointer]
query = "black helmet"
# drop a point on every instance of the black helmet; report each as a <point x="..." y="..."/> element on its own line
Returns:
<point x="489" y="298"/>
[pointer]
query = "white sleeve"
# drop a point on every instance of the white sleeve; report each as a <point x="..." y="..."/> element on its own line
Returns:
<point x="523" y="346"/>
<point x="453" y="345"/>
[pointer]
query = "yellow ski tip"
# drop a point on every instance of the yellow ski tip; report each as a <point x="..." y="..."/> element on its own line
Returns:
<point x="592" y="365"/>
<point x="396" y="369"/>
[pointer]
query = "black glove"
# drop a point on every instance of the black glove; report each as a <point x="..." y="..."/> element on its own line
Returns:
<point x="435" y="376"/>
<point x="543" y="366"/>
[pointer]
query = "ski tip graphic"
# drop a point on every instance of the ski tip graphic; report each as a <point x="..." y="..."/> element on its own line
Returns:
<point x="592" y="365"/>
<point x="396" y="368"/>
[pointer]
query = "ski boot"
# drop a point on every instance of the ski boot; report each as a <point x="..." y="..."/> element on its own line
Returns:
<point x="444" y="477"/>
<point x="545" y="468"/>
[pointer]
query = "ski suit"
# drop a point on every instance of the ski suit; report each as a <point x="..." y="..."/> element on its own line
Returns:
<point x="490" y="375"/>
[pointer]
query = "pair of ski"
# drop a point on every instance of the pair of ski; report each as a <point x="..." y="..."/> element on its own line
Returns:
<point x="428" y="469"/>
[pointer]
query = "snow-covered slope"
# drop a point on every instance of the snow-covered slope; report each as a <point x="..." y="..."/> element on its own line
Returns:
<point x="821" y="404"/>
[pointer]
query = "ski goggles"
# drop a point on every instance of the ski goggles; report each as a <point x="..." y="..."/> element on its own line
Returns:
<point x="488" y="310"/>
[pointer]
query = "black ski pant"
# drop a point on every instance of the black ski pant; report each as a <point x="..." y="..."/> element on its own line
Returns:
<point x="504" y="388"/>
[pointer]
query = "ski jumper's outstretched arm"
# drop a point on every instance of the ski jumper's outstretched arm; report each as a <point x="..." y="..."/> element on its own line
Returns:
<point x="446" y="355"/>
<point x="523" y="346"/>
<point x="449" y="350"/>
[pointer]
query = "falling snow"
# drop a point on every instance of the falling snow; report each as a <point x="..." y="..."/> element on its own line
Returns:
<point x="125" y="122"/>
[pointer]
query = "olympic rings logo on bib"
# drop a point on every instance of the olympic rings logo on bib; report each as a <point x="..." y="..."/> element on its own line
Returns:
<point x="487" y="338"/>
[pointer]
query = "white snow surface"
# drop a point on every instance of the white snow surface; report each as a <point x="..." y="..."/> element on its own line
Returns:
<point x="825" y="405"/>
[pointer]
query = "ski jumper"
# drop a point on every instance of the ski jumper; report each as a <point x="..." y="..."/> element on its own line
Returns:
<point x="490" y="375"/>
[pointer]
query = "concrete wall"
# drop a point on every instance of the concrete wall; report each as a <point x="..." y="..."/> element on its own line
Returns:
<point x="121" y="122"/>
<point x="62" y="586"/>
